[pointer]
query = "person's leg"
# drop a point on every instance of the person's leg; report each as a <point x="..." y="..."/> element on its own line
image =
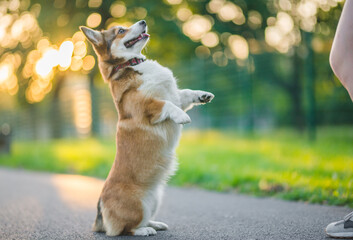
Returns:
<point x="342" y="228"/>
<point x="341" y="60"/>
<point x="341" y="56"/>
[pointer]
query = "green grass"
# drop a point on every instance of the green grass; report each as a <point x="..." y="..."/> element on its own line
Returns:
<point x="282" y="163"/>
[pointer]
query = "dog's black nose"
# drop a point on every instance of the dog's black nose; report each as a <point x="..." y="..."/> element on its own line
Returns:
<point x="143" y="22"/>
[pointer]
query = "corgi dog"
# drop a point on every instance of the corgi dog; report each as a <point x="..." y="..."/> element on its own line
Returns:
<point x="151" y="111"/>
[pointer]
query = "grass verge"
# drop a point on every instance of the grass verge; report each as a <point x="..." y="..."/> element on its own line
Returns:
<point x="282" y="163"/>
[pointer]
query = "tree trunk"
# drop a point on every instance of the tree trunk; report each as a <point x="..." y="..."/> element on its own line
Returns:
<point x="295" y="93"/>
<point x="94" y="106"/>
<point x="55" y="116"/>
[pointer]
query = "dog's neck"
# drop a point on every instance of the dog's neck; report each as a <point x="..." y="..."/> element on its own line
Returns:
<point x="131" y="62"/>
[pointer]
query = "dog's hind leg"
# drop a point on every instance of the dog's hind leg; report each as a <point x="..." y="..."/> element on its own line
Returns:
<point x="114" y="225"/>
<point x="144" y="231"/>
<point x="155" y="200"/>
<point x="122" y="212"/>
<point x="98" y="224"/>
<point x="190" y="98"/>
<point x="158" y="226"/>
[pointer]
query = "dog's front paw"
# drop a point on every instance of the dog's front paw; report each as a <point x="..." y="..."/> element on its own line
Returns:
<point x="145" y="231"/>
<point x="205" y="97"/>
<point x="180" y="117"/>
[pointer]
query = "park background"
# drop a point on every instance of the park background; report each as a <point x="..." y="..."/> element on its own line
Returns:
<point x="281" y="123"/>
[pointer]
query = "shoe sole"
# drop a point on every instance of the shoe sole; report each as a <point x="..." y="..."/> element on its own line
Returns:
<point x="339" y="236"/>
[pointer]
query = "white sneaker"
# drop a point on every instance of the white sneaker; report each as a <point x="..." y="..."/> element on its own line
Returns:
<point x="341" y="229"/>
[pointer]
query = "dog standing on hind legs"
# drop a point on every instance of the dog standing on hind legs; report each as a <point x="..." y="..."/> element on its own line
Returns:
<point x="151" y="110"/>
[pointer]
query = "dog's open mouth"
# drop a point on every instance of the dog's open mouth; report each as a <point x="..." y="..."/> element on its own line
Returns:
<point x="132" y="42"/>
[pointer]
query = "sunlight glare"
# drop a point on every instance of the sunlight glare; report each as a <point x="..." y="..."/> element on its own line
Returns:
<point x="5" y="71"/>
<point x="43" y="68"/>
<point x="51" y="57"/>
<point x="65" y="53"/>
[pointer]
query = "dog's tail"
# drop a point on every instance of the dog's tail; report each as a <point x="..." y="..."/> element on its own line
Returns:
<point x="98" y="225"/>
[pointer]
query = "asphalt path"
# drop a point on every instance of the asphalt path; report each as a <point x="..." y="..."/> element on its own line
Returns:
<point x="50" y="206"/>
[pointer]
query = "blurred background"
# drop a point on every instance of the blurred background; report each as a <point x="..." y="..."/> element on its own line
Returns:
<point x="281" y="123"/>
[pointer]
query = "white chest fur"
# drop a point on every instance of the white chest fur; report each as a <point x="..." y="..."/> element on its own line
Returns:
<point x="158" y="82"/>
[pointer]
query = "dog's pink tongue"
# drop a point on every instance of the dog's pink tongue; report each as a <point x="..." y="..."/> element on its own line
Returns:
<point x="145" y="35"/>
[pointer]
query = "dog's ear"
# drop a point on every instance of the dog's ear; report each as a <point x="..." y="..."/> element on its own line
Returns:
<point x="95" y="37"/>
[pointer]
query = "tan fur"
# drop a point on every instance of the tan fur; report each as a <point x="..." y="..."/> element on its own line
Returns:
<point x="138" y="160"/>
<point x="151" y="109"/>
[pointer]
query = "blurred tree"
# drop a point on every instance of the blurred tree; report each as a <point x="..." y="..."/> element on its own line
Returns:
<point x="278" y="24"/>
<point x="34" y="32"/>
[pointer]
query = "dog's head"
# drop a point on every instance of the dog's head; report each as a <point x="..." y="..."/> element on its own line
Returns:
<point x="118" y="43"/>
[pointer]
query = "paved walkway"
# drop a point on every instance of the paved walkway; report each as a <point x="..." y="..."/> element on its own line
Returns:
<point x="49" y="206"/>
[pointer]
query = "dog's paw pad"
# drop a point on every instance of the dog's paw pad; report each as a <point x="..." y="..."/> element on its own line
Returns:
<point x="206" y="97"/>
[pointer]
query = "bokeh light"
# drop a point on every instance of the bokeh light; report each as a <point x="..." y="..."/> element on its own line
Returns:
<point x="202" y="52"/>
<point x="80" y="49"/>
<point x="184" y="14"/>
<point x="254" y="19"/>
<point x="118" y="9"/>
<point x="174" y="2"/>
<point x="215" y="5"/>
<point x="229" y="11"/>
<point x="65" y="53"/>
<point x="220" y="59"/>
<point x="43" y="68"/>
<point x="42" y="62"/>
<point x="63" y="20"/>
<point x="5" y="71"/>
<point x="94" y="20"/>
<point x="197" y="26"/>
<point x="94" y="3"/>
<point x="43" y="59"/>
<point x="239" y="46"/>
<point x="76" y="63"/>
<point x="281" y="33"/>
<point x="82" y="111"/>
<point x="88" y="63"/>
<point x="210" y="39"/>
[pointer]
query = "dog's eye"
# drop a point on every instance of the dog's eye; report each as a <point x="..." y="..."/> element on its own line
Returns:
<point x="121" y="31"/>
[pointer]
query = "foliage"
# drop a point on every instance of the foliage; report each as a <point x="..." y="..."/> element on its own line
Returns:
<point x="281" y="163"/>
<point x="260" y="40"/>
<point x="219" y="29"/>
